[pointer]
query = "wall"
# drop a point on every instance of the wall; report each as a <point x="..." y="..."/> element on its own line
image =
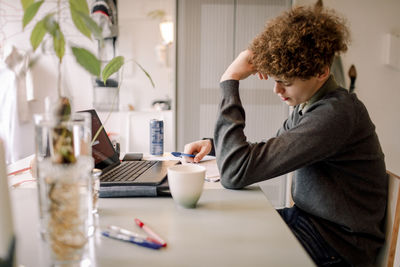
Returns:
<point x="377" y="85"/>
<point x="139" y="36"/>
<point x="76" y="82"/>
<point x="139" y="39"/>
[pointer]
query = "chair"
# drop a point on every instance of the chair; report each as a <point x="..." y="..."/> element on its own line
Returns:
<point x="387" y="255"/>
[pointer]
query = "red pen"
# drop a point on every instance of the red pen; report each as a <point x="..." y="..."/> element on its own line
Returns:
<point x="19" y="171"/>
<point x="150" y="232"/>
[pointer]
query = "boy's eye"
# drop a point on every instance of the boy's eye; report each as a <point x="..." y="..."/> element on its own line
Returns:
<point x="284" y="83"/>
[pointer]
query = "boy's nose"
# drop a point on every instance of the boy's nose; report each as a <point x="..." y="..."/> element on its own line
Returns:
<point x="278" y="88"/>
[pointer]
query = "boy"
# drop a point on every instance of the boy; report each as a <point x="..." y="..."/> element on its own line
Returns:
<point x="340" y="185"/>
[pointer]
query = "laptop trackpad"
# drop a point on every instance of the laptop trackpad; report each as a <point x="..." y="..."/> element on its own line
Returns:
<point x="156" y="174"/>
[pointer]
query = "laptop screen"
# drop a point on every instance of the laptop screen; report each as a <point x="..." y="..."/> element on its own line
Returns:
<point x="103" y="151"/>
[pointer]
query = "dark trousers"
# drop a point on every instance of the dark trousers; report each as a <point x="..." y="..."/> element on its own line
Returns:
<point x="318" y="249"/>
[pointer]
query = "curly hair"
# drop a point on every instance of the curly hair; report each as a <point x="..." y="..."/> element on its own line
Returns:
<point x="299" y="43"/>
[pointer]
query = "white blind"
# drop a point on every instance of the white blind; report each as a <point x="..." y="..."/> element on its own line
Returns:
<point x="211" y="33"/>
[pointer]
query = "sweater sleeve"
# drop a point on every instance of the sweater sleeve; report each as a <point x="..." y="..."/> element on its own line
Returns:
<point x="316" y="136"/>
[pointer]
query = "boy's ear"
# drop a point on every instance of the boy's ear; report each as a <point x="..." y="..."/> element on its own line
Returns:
<point x="326" y="71"/>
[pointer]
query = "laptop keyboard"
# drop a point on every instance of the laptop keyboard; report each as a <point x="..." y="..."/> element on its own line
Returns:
<point x="127" y="171"/>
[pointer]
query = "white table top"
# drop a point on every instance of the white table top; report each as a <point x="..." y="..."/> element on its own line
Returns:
<point x="228" y="228"/>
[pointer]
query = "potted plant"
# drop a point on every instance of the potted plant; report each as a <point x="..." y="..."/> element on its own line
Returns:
<point x="63" y="150"/>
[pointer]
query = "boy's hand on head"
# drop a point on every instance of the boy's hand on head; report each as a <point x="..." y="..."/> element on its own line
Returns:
<point x="199" y="148"/>
<point x="262" y="76"/>
<point x="240" y="68"/>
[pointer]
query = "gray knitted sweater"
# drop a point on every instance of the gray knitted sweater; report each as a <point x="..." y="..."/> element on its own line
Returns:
<point x="340" y="176"/>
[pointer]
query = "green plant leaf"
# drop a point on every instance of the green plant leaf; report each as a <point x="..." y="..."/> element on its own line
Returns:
<point x="50" y="24"/>
<point x="91" y="25"/>
<point x="80" y="24"/>
<point x="53" y="28"/>
<point x="145" y="72"/>
<point x="37" y="34"/>
<point x="30" y="12"/>
<point x="59" y="44"/>
<point x="112" y="67"/>
<point x="87" y="60"/>
<point x="75" y="6"/>
<point x="26" y="3"/>
<point x="80" y="5"/>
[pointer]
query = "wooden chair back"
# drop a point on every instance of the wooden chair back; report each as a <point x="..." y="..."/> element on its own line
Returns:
<point x="387" y="255"/>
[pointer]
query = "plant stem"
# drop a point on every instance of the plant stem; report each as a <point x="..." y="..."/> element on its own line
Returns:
<point x="59" y="63"/>
<point x="59" y="79"/>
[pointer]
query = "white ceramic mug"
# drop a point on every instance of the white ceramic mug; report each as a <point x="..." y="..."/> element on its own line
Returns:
<point x="186" y="183"/>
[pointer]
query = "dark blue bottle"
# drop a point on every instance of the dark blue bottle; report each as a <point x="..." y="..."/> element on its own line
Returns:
<point x="156" y="137"/>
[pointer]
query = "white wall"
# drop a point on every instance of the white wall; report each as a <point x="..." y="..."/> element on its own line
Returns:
<point x="377" y="85"/>
<point x="75" y="79"/>
<point x="139" y="35"/>
<point x="76" y="82"/>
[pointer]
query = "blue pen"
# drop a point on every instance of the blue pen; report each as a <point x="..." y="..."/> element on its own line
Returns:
<point x="131" y="239"/>
<point x="179" y="154"/>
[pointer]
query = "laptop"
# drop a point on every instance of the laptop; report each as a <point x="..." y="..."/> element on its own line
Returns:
<point x="128" y="177"/>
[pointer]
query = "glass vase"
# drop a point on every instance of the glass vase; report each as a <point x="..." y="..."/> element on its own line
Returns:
<point x="65" y="186"/>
